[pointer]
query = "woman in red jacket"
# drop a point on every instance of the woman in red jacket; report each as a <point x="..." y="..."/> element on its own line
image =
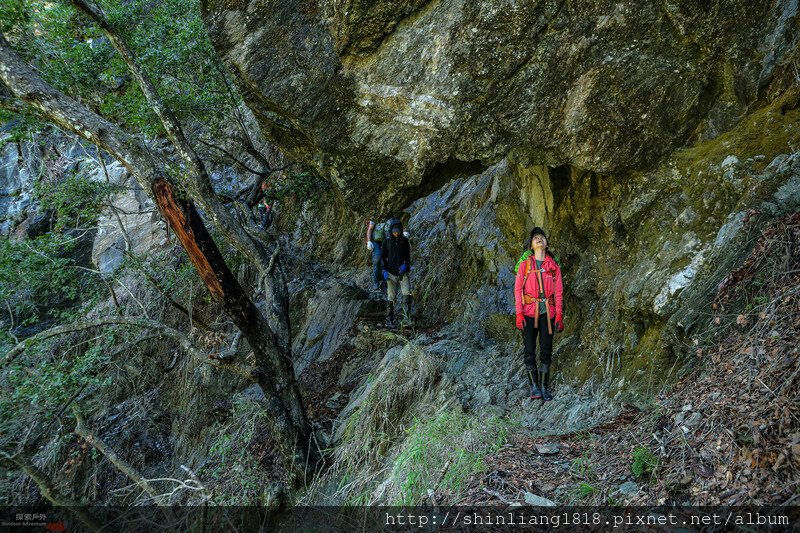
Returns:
<point x="538" y="294"/>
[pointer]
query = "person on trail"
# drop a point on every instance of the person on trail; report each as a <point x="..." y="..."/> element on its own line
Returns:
<point x="265" y="206"/>
<point x="538" y="295"/>
<point x="396" y="263"/>
<point x="375" y="236"/>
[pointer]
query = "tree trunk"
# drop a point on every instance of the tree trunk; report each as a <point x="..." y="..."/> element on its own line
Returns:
<point x="198" y="183"/>
<point x="274" y="374"/>
<point x="273" y="366"/>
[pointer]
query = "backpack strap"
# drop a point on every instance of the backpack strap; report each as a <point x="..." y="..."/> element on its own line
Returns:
<point x="546" y="306"/>
<point x="527" y="272"/>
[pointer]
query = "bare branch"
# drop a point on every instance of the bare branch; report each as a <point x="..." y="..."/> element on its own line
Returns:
<point x="233" y="158"/>
<point x="121" y="464"/>
<point x="145" y="323"/>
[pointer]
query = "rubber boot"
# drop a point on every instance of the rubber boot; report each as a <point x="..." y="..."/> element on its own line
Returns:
<point x="533" y="381"/>
<point x="390" y="313"/>
<point x="545" y="381"/>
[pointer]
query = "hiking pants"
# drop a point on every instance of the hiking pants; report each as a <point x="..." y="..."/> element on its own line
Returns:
<point x="265" y="216"/>
<point x="391" y="286"/>
<point x="529" y="334"/>
<point x="377" y="271"/>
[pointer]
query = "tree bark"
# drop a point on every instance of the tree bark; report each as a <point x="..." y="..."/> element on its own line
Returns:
<point x="274" y="374"/>
<point x="273" y="366"/>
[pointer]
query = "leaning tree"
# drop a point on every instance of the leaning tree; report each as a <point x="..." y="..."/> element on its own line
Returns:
<point x="176" y="193"/>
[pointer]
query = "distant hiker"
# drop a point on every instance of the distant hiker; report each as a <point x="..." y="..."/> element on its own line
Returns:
<point x="375" y="235"/>
<point x="396" y="263"/>
<point x="266" y="203"/>
<point x="538" y="294"/>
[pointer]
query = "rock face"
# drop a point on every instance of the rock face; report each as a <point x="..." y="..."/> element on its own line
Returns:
<point x="144" y="231"/>
<point x="394" y="97"/>
<point x="16" y="185"/>
<point x="641" y="260"/>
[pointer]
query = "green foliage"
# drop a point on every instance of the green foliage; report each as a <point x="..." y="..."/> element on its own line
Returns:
<point x="12" y="14"/>
<point x="74" y="200"/>
<point x="643" y="462"/>
<point x="582" y="491"/>
<point x="168" y="37"/>
<point x="55" y="381"/>
<point x="582" y="466"/>
<point x="41" y="390"/>
<point x="232" y="470"/>
<point x="38" y="278"/>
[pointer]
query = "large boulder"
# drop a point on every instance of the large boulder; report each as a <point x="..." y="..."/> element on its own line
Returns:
<point x="389" y="99"/>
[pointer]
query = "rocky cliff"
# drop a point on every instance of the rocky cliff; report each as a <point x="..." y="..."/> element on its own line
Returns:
<point x="642" y="137"/>
<point x="396" y="97"/>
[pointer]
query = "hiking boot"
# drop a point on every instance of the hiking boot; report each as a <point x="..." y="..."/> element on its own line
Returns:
<point x="533" y="381"/>
<point x="545" y="381"/>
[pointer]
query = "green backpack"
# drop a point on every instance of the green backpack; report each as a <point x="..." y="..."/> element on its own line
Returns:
<point x="382" y="230"/>
<point x="526" y="254"/>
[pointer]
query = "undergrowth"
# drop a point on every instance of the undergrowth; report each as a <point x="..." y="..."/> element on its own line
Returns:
<point x="381" y="419"/>
<point x="441" y="453"/>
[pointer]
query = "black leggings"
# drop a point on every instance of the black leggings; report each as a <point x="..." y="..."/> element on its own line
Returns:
<point x="529" y="334"/>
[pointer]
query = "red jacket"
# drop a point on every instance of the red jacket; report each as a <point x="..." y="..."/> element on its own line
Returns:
<point x="552" y="288"/>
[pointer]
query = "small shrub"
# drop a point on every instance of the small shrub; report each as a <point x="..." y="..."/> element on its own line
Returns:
<point x="74" y="200"/>
<point x="643" y="462"/>
<point x="582" y="466"/>
<point x="39" y="281"/>
<point x="583" y="491"/>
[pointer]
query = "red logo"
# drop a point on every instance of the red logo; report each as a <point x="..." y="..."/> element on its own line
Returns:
<point x="56" y="526"/>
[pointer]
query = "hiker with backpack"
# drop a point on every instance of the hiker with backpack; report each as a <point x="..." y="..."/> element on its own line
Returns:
<point x="396" y="264"/>
<point x="266" y="205"/>
<point x="375" y="235"/>
<point x="538" y="295"/>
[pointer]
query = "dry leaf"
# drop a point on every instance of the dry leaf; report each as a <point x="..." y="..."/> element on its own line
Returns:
<point x="796" y="452"/>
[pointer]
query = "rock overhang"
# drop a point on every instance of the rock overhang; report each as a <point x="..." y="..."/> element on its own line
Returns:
<point x="388" y="100"/>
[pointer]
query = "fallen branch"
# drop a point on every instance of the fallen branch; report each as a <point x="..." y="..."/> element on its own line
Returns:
<point x="121" y="464"/>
